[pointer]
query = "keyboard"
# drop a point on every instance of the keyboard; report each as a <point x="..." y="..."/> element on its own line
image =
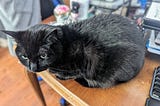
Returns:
<point x="155" y="88"/>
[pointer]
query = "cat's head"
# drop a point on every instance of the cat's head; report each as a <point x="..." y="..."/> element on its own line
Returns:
<point x="38" y="47"/>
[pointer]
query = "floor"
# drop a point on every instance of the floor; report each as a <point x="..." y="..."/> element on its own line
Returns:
<point x="15" y="90"/>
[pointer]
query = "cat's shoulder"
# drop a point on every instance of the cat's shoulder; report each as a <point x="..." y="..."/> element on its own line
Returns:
<point x="108" y="16"/>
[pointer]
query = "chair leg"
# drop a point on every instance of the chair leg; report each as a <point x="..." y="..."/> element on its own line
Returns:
<point x="32" y="77"/>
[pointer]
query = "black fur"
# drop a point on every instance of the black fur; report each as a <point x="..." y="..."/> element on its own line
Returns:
<point x="97" y="52"/>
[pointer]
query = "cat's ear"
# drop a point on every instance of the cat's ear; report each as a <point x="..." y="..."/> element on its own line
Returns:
<point x="58" y="32"/>
<point x="15" y="34"/>
<point x="55" y="33"/>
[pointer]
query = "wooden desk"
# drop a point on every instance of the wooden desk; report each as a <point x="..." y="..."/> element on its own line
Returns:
<point x="132" y="93"/>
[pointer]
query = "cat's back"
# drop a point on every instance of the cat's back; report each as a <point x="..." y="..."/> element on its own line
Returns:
<point x="110" y="28"/>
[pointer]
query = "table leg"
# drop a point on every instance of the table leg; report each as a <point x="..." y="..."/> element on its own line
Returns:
<point x="32" y="77"/>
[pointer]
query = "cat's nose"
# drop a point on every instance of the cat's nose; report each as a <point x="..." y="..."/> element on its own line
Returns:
<point x="33" y="67"/>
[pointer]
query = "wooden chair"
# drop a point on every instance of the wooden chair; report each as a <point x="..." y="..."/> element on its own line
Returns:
<point x="131" y="93"/>
<point x="57" y="86"/>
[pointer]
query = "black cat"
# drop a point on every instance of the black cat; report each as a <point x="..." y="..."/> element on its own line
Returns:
<point x="97" y="52"/>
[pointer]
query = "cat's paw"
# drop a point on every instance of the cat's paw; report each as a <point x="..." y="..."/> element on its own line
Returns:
<point x="63" y="77"/>
<point x="60" y="78"/>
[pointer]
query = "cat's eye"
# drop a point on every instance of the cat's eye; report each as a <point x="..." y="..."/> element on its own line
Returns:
<point x="24" y="57"/>
<point x="43" y="56"/>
